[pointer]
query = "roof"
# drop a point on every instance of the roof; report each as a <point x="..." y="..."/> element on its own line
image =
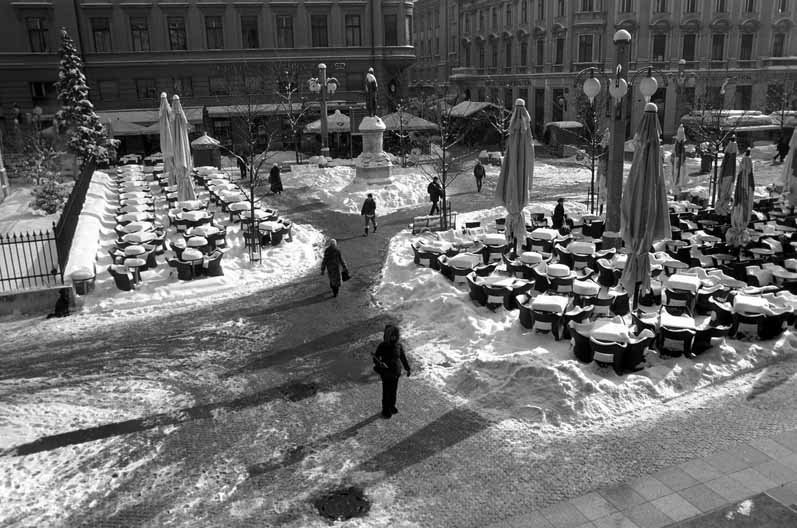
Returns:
<point x="468" y="108"/>
<point x="564" y="124"/>
<point x="119" y="127"/>
<point x="408" y="122"/>
<point x="205" y="141"/>
<point x="336" y="122"/>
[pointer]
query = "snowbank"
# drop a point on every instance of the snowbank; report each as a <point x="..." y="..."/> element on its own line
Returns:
<point x="86" y="242"/>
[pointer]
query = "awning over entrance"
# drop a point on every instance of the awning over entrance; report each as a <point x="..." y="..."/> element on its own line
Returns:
<point x="141" y="122"/>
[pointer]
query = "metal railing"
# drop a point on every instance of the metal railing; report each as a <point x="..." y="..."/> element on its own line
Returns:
<point x="29" y="260"/>
<point x="65" y="229"/>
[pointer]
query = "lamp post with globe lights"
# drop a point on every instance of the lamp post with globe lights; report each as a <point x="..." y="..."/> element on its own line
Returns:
<point x="618" y="87"/>
<point x="591" y="87"/>
<point x="323" y="86"/>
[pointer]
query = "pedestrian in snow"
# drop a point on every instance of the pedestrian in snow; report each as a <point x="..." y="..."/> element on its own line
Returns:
<point x="369" y="212"/>
<point x="389" y="357"/>
<point x="334" y="265"/>
<point x="274" y="179"/>
<point x="782" y="147"/>
<point x="478" y="173"/>
<point x="241" y="167"/>
<point x="559" y="214"/>
<point x="435" y="192"/>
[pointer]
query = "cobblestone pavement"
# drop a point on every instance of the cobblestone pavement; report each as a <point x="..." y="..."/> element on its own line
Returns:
<point x="283" y="407"/>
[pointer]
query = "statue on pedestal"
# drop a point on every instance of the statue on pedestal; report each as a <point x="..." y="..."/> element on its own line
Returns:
<point x="371" y="87"/>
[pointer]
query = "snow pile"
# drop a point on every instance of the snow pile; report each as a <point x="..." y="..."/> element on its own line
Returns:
<point x="487" y="359"/>
<point x="86" y="241"/>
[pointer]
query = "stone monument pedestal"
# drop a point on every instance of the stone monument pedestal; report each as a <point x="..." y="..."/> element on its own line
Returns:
<point x="373" y="165"/>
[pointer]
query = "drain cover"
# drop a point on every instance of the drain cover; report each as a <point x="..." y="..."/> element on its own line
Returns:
<point x="343" y="504"/>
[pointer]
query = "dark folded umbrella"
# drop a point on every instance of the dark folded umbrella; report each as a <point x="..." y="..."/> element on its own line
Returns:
<point x="726" y="178"/>
<point x="742" y="208"/>
<point x="644" y="212"/>
<point x="790" y="171"/>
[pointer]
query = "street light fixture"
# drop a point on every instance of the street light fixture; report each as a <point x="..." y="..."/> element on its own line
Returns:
<point x="592" y="88"/>
<point x="323" y="86"/>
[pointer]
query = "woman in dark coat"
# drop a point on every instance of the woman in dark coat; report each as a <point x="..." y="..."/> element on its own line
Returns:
<point x="388" y="360"/>
<point x="275" y="180"/>
<point x="334" y="265"/>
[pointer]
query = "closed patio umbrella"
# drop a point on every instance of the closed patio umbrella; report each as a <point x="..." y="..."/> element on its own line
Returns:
<point x="517" y="173"/>
<point x="644" y="215"/>
<point x="182" y="153"/>
<point x="790" y="171"/>
<point x="742" y="208"/>
<point x="166" y="138"/>
<point x="679" y="161"/>
<point x="726" y="178"/>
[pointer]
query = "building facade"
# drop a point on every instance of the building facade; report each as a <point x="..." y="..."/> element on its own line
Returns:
<point x="498" y="50"/>
<point x="134" y="50"/>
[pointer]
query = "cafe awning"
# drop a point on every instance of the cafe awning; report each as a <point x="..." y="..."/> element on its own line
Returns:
<point x="255" y="109"/>
<point x="336" y="122"/>
<point x="147" y="117"/>
<point x="468" y="108"/>
<point x="407" y="121"/>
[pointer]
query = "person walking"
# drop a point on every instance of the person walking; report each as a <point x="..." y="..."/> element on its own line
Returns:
<point x="369" y="212"/>
<point x="782" y="149"/>
<point x="388" y="358"/>
<point x="334" y="265"/>
<point x="559" y="214"/>
<point x="435" y="192"/>
<point x="274" y="179"/>
<point x="478" y="173"/>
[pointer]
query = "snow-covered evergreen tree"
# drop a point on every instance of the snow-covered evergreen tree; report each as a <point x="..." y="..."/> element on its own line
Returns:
<point x="76" y="119"/>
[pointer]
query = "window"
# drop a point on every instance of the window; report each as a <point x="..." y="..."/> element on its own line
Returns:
<point x="508" y="15"/>
<point x="585" y="48"/>
<point x="689" y="45"/>
<point x="749" y="6"/>
<point x="353" y="31"/>
<point x="721" y="6"/>
<point x="101" y="34"/>
<point x="718" y="46"/>
<point x="524" y="11"/>
<point x="523" y="93"/>
<point x="783" y="6"/>
<point x="540" y="60"/>
<point x="659" y="47"/>
<point x="145" y="89"/>
<point x="318" y="31"/>
<point x="37" y="34"/>
<point x="494" y="55"/>
<point x="494" y="18"/>
<point x="437" y="45"/>
<point x="690" y="6"/>
<point x="391" y="37"/>
<point x="108" y="90"/>
<point x="524" y="53"/>
<point x="746" y="47"/>
<point x="481" y="20"/>
<point x="139" y="32"/>
<point x="481" y="57"/>
<point x="284" y="31"/>
<point x="715" y="96"/>
<point x="743" y="95"/>
<point x="508" y="55"/>
<point x="408" y="33"/>
<point x="627" y="6"/>
<point x="778" y="41"/>
<point x="540" y="9"/>
<point x="661" y="6"/>
<point x="250" y="37"/>
<point x="177" y="40"/>
<point x="560" y="51"/>
<point x="587" y="5"/>
<point x="560" y="8"/>
<point x="222" y="129"/>
<point x="466" y="49"/>
<point x="217" y="86"/>
<point x="467" y="23"/>
<point x="183" y="86"/>
<point x="38" y="90"/>
<point x="214" y="32"/>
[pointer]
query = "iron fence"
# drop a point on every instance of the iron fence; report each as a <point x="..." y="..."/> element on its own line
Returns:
<point x="29" y="260"/>
<point x="67" y="223"/>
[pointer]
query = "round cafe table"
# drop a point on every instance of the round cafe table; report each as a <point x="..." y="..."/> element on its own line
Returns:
<point x="139" y="237"/>
<point x="722" y="258"/>
<point x="270" y="225"/>
<point x="135" y="265"/>
<point x="762" y="252"/>
<point x="259" y="214"/>
<point x="192" y="255"/>
<point x="134" y="250"/>
<point x="133" y="227"/>
<point x="204" y="230"/>
<point x="782" y="277"/>
<point x="196" y="242"/>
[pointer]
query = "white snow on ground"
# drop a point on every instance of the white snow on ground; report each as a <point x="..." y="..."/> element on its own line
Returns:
<point x="483" y="358"/>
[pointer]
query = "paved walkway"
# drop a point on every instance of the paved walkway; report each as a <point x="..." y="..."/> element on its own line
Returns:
<point x="681" y="492"/>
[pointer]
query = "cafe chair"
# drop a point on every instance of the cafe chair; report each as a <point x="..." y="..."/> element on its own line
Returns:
<point x="635" y="352"/>
<point x="288" y="230"/>
<point x="548" y="322"/>
<point x="541" y="282"/>
<point x="538" y="220"/>
<point x="513" y="267"/>
<point x="150" y="257"/>
<point x="620" y="304"/>
<point x="579" y="339"/>
<point x="495" y="295"/>
<point x="276" y="238"/>
<point x="606" y="275"/>
<point x="773" y="326"/>
<point x="475" y="291"/>
<point x="212" y="264"/>
<point x="578" y="314"/>
<point x="703" y="337"/>
<point x="757" y="276"/>
<point x="541" y="246"/>
<point x="121" y="277"/>
<point x="500" y="224"/>
<point x="602" y="306"/>
<point x="445" y="269"/>
<point x="680" y="299"/>
<point x="563" y="255"/>
<point x="525" y="315"/>
<point x="486" y="269"/>
<point x="674" y="342"/>
<point x="607" y="354"/>
<point x="185" y="270"/>
<point x="746" y="325"/>
<point x="721" y="312"/>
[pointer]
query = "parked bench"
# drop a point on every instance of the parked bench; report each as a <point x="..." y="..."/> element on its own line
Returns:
<point x="432" y="223"/>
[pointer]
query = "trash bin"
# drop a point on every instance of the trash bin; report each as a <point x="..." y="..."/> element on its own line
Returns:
<point x="705" y="163"/>
<point x="83" y="281"/>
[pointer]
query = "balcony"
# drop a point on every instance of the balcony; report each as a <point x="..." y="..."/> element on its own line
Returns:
<point x="778" y="62"/>
<point x="462" y="72"/>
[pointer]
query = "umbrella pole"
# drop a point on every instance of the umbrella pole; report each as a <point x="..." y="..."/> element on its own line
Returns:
<point x="635" y="304"/>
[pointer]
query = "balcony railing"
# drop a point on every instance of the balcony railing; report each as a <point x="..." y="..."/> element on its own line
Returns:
<point x="747" y="63"/>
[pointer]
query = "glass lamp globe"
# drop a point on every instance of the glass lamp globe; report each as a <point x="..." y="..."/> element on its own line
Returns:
<point x="592" y="87"/>
<point x="618" y="89"/>
<point x="648" y="87"/>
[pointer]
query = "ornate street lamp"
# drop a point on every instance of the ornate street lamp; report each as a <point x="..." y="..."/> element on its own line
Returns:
<point x="323" y="86"/>
<point x="592" y="88"/>
<point x="401" y="135"/>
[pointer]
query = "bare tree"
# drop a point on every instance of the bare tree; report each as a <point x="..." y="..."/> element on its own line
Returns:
<point x="498" y="115"/>
<point x="444" y="161"/>
<point x="593" y="138"/>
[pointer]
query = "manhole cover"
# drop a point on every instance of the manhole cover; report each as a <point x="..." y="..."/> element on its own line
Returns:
<point x="343" y="504"/>
<point x="299" y="391"/>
